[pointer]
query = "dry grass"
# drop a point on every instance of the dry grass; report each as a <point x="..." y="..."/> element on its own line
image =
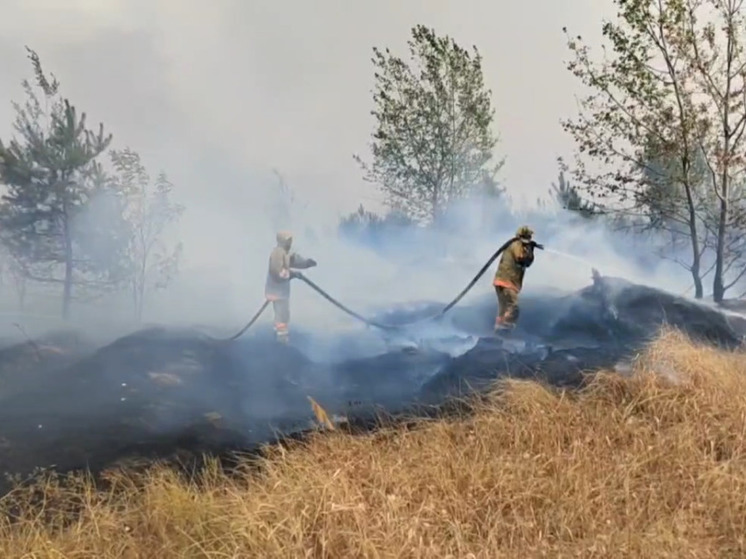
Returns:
<point x="648" y="466"/>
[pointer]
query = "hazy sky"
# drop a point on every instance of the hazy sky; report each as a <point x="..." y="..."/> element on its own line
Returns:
<point x="220" y="92"/>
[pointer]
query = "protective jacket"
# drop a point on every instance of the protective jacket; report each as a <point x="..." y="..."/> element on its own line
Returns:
<point x="517" y="257"/>
<point x="281" y="261"/>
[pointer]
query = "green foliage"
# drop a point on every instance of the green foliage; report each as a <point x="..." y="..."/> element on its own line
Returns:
<point x="665" y="123"/>
<point x="64" y="220"/>
<point x="369" y="227"/>
<point x="568" y="198"/>
<point x="50" y="173"/>
<point x="643" y="129"/>
<point x="361" y="218"/>
<point x="641" y="94"/>
<point x="433" y="142"/>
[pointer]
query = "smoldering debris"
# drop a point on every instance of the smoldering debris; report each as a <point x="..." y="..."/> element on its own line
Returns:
<point x="161" y="392"/>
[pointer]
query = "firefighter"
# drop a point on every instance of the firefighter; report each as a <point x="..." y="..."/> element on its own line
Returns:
<point x="509" y="277"/>
<point x="281" y="263"/>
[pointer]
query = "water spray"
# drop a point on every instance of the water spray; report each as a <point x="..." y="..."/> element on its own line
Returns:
<point x="571" y="257"/>
<point x="594" y="271"/>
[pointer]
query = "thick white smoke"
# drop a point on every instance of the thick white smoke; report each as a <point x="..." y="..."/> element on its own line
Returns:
<point x="223" y="280"/>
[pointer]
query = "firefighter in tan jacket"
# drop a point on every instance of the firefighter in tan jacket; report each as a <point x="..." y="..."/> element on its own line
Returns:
<point x="277" y="289"/>
<point x="509" y="277"/>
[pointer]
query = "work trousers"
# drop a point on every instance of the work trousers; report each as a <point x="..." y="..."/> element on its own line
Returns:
<point x="507" y="307"/>
<point x="281" y="308"/>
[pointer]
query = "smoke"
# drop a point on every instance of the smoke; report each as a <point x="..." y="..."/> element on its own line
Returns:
<point x="335" y="359"/>
<point x="195" y="125"/>
<point x="230" y="230"/>
<point x="222" y="282"/>
<point x="168" y="90"/>
<point x="234" y="208"/>
<point x="414" y="264"/>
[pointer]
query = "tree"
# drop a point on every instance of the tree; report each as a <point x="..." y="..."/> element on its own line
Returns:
<point x="641" y="98"/>
<point x="368" y="227"/>
<point x="568" y="197"/>
<point x="359" y="219"/>
<point x="664" y="124"/>
<point x="49" y="170"/>
<point x="716" y="52"/>
<point x="433" y="141"/>
<point x="148" y="212"/>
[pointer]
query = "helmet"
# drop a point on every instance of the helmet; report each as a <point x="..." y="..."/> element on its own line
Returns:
<point x="284" y="238"/>
<point x="524" y="232"/>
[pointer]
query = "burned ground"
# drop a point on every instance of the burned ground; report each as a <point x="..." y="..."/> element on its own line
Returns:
<point x="159" y="392"/>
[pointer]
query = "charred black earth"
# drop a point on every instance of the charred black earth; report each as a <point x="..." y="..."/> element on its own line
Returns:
<point x="159" y="393"/>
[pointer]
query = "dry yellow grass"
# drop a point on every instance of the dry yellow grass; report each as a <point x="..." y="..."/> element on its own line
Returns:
<point x="653" y="465"/>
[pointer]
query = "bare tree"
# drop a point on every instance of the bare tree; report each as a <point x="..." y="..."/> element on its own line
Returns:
<point x="148" y="211"/>
<point x="713" y="42"/>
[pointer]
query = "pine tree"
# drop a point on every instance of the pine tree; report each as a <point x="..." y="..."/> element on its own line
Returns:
<point x="568" y="198"/>
<point x="50" y="173"/>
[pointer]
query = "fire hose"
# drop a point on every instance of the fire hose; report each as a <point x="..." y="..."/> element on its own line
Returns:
<point x="350" y="312"/>
<point x="250" y="323"/>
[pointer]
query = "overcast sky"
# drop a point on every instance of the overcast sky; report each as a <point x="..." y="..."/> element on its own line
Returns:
<point x="219" y="92"/>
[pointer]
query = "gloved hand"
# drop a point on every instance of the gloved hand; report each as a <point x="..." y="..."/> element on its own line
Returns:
<point x="312" y="263"/>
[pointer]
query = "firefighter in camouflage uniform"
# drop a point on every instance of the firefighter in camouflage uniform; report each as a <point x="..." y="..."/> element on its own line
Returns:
<point x="509" y="277"/>
<point x="277" y="290"/>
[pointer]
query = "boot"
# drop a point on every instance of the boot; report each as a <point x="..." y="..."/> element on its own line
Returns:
<point x="283" y="337"/>
<point x="502" y="327"/>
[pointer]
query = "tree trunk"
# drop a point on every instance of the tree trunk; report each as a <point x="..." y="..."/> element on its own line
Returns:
<point x="135" y="303"/>
<point x="138" y="287"/>
<point x="718" y="289"/>
<point x="435" y="202"/>
<point x="698" y="287"/>
<point x="68" y="283"/>
<point x="140" y="302"/>
<point x="696" y="267"/>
